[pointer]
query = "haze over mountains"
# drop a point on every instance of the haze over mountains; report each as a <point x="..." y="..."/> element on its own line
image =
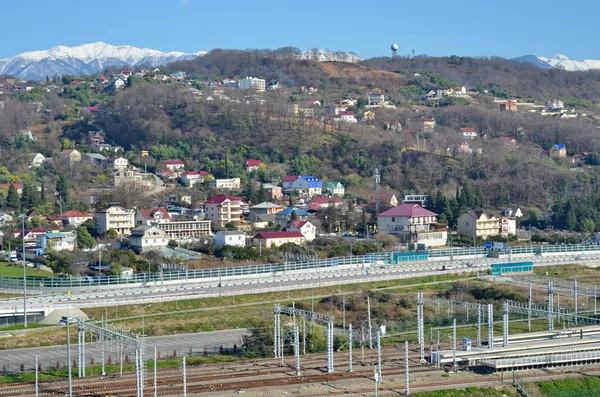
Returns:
<point x="85" y="59"/>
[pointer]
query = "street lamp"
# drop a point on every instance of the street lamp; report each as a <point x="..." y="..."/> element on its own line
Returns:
<point x="66" y="320"/>
<point x="143" y="325"/>
<point x="23" y="216"/>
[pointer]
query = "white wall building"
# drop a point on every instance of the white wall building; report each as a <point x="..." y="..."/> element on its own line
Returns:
<point x="146" y="238"/>
<point x="231" y="183"/>
<point x="115" y="217"/>
<point x="253" y="83"/>
<point x="234" y="238"/>
<point x="308" y="230"/>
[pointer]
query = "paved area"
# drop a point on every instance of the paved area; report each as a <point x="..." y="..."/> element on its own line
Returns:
<point x="165" y="345"/>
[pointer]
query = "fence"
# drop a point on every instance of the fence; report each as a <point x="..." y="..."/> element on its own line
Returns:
<point x="278" y="268"/>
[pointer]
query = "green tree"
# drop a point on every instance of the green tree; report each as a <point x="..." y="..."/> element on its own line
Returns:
<point x="111" y="233"/>
<point x="90" y="226"/>
<point x="84" y="238"/>
<point x="62" y="188"/>
<point x="259" y="342"/>
<point x="12" y="198"/>
<point x="26" y="197"/>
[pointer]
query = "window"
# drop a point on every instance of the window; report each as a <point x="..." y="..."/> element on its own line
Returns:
<point x="393" y="219"/>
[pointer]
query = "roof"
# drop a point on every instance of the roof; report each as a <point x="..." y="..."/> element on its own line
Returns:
<point x="326" y="200"/>
<point x="271" y="235"/>
<point x="290" y="178"/>
<point x="172" y="162"/>
<point x="469" y="129"/>
<point x="76" y="214"/>
<point x="297" y="224"/>
<point x="560" y="146"/>
<point x="507" y="138"/>
<point x="166" y="172"/>
<point x="96" y="156"/>
<point x="202" y="172"/>
<point x="67" y="151"/>
<point x="231" y="233"/>
<point x="221" y="198"/>
<point x="253" y="163"/>
<point x="141" y="230"/>
<point x="266" y="205"/>
<point x="407" y="210"/>
<point x="16" y="185"/>
<point x="149" y="213"/>
<point x="298" y="211"/>
<point x="347" y="113"/>
<point x="477" y="214"/>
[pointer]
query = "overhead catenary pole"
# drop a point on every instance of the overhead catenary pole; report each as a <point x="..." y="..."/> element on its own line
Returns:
<point x="350" y="347"/>
<point x="454" y="364"/>
<point x="370" y="329"/>
<point x="184" y="379"/>
<point x="490" y="315"/>
<point x="478" y="325"/>
<point x="37" y="383"/>
<point x="406" y="368"/>
<point x="23" y="216"/>
<point x="505" y="324"/>
<point x="69" y="363"/>
<point x="330" y="347"/>
<point x="575" y="298"/>
<point x="550" y="306"/>
<point x="297" y="348"/>
<point x="529" y="307"/>
<point x="420" y="326"/>
<point x="155" y="373"/>
<point x="379" y="356"/>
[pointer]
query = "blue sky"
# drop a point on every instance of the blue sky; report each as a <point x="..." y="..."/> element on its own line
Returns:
<point x="435" y="27"/>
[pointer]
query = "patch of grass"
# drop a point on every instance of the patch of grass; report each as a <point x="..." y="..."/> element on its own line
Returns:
<point x="589" y="274"/>
<point x="570" y="387"/>
<point x="29" y="326"/>
<point x="469" y="392"/>
<point x="16" y="270"/>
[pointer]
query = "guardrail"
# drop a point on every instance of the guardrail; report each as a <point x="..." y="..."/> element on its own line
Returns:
<point x="278" y="268"/>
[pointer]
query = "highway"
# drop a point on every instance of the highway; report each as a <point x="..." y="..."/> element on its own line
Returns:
<point x="165" y="345"/>
<point x="282" y="281"/>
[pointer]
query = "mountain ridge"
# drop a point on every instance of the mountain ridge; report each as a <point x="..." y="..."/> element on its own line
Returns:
<point x="86" y="59"/>
<point x="559" y="61"/>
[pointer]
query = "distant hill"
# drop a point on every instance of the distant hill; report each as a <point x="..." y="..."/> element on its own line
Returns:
<point x="533" y="60"/>
<point x="85" y="59"/>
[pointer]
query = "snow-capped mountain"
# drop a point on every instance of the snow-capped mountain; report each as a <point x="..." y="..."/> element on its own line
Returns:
<point x="559" y="61"/>
<point x="85" y="59"/>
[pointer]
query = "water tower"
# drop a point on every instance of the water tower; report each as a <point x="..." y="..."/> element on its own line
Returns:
<point x="394" y="50"/>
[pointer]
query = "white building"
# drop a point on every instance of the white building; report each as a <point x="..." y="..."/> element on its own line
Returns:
<point x="116" y="218"/>
<point x="75" y="218"/>
<point x="231" y="183"/>
<point x="223" y="209"/>
<point x="303" y="184"/>
<point x="190" y="178"/>
<point x="178" y="230"/>
<point x="146" y="238"/>
<point x="308" y="230"/>
<point x="470" y="133"/>
<point x="117" y="163"/>
<point x="36" y="159"/>
<point x="253" y="83"/>
<point x="234" y="238"/>
<point x="555" y="104"/>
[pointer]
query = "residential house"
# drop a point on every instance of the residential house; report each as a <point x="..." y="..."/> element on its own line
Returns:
<point x="347" y="117"/>
<point x="190" y="178"/>
<point x="71" y="154"/>
<point x="27" y="135"/>
<point x="147" y="238"/>
<point x="223" y="209"/>
<point x="173" y="165"/>
<point x="555" y="105"/>
<point x="420" y="199"/>
<point x="232" y="238"/>
<point x="94" y="158"/>
<point x="117" y="218"/>
<point x="133" y="177"/>
<point x="308" y="230"/>
<point x="423" y="124"/>
<point x="509" y="106"/>
<point x="252" y="165"/>
<point x="508" y="226"/>
<point x="459" y="92"/>
<point x="468" y="132"/>
<point x="304" y="185"/>
<point x="273" y="85"/>
<point x="252" y="83"/>
<point x="478" y="224"/>
<point x="275" y="239"/>
<point x="36" y="160"/>
<point x="225" y="184"/>
<point x="175" y="229"/>
<point x="375" y="98"/>
<point x="333" y="188"/>
<point x="385" y="200"/>
<point x="325" y="202"/>
<point x="512" y="212"/>
<point x="283" y="217"/>
<point x="95" y="138"/>
<point x="117" y="163"/>
<point x="18" y="187"/>
<point x="413" y="224"/>
<point x="75" y="218"/>
<point x="274" y="192"/>
<point x="264" y="208"/>
<point x="57" y="242"/>
<point x="5" y="219"/>
<point x="509" y="141"/>
<point x="558" y="151"/>
<point x="101" y="79"/>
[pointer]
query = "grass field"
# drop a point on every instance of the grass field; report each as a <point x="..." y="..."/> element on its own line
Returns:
<point x="470" y="392"/>
<point x="583" y="273"/>
<point x="588" y="386"/>
<point x="16" y="270"/>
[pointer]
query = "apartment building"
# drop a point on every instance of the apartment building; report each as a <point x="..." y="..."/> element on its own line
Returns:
<point x="223" y="209"/>
<point x="117" y="218"/>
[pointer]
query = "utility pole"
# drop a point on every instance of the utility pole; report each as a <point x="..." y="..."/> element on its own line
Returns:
<point x="37" y="384"/>
<point x="575" y="298"/>
<point x="379" y="356"/>
<point x="505" y="324"/>
<point x="550" y="306"/>
<point x="490" y="313"/>
<point x="454" y="364"/>
<point x="406" y="368"/>
<point x="377" y="178"/>
<point x="184" y="379"/>
<point x="297" y="348"/>
<point x="478" y="325"/>
<point x="155" y="377"/>
<point x="69" y="363"/>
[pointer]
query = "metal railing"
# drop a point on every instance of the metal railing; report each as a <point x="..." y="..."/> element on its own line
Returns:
<point x="279" y="268"/>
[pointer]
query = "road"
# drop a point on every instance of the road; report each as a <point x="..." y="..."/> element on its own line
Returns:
<point x="165" y="345"/>
<point x="236" y="285"/>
